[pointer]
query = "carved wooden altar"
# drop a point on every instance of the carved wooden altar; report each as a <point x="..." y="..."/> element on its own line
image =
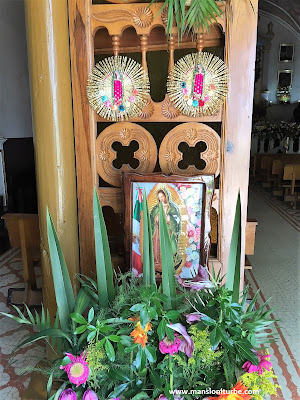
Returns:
<point x="99" y="30"/>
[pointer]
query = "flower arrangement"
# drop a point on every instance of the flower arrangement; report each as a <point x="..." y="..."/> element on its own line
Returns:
<point x="123" y="337"/>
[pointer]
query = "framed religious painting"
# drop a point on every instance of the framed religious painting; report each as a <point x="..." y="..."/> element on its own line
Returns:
<point x="286" y="52"/>
<point x="284" y="78"/>
<point x="186" y="203"/>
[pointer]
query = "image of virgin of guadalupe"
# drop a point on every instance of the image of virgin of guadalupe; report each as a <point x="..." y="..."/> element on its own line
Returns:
<point x="173" y="219"/>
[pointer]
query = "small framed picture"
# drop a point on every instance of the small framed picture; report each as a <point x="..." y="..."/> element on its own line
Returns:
<point x="284" y="78"/>
<point x="186" y="202"/>
<point x="286" y="52"/>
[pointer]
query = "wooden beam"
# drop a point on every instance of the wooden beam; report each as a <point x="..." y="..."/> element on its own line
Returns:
<point x="82" y="57"/>
<point x="240" y="50"/>
<point x="49" y="66"/>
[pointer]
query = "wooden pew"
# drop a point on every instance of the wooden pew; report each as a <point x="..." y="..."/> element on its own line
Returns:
<point x="292" y="175"/>
<point x="23" y="231"/>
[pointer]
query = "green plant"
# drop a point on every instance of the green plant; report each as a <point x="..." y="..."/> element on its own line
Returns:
<point x="132" y="338"/>
<point x="194" y="15"/>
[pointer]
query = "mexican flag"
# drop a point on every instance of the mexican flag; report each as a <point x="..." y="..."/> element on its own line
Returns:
<point x="137" y="263"/>
<point x="138" y="205"/>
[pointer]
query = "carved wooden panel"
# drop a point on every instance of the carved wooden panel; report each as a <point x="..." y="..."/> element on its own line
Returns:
<point x="112" y="197"/>
<point x="117" y="17"/>
<point x="190" y="133"/>
<point x="124" y="133"/>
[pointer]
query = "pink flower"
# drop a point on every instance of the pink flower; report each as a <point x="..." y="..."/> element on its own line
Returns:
<point x="184" y="91"/>
<point x="68" y="394"/>
<point x="190" y="318"/>
<point x="197" y="234"/>
<point x="188" y="264"/>
<point x="89" y="395"/>
<point x="166" y="346"/>
<point x="190" y="233"/>
<point x="187" y="345"/>
<point x="78" y="370"/>
<point x="263" y="363"/>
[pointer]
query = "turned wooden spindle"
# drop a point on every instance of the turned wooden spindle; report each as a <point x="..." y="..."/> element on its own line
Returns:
<point x="116" y="45"/>
<point x="144" y="48"/>
<point x="171" y="52"/>
<point x="200" y="42"/>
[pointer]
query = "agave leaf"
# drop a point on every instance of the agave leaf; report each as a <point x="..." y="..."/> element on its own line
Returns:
<point x="17" y="319"/>
<point x="82" y="301"/>
<point x="148" y="257"/>
<point x="62" y="284"/>
<point x="55" y="333"/>
<point x="104" y="267"/>
<point x="234" y="260"/>
<point x="167" y="262"/>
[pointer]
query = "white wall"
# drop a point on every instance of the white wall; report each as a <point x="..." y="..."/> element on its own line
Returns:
<point x="15" y="108"/>
<point x="282" y="35"/>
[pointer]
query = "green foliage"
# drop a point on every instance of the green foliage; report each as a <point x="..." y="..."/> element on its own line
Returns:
<point x="198" y="371"/>
<point x="232" y="330"/>
<point x="167" y="263"/>
<point x="199" y="16"/>
<point x="234" y="259"/>
<point x="104" y="267"/>
<point x="148" y="257"/>
<point x="263" y="383"/>
<point x="62" y="284"/>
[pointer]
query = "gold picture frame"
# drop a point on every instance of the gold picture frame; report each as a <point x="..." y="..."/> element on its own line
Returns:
<point x="284" y="78"/>
<point x="286" y="52"/>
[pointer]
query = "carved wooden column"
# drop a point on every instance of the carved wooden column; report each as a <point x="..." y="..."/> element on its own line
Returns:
<point x="171" y="52"/>
<point x="49" y="66"/>
<point x="116" y="45"/>
<point x="200" y="42"/>
<point x="144" y="48"/>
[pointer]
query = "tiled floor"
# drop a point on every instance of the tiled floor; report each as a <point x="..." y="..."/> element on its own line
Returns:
<point x="14" y="378"/>
<point x="276" y="272"/>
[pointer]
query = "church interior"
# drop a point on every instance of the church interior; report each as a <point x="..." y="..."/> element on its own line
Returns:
<point x="149" y="165"/>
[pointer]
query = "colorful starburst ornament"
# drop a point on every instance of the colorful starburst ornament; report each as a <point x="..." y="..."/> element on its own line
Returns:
<point x="118" y="88"/>
<point x="198" y="84"/>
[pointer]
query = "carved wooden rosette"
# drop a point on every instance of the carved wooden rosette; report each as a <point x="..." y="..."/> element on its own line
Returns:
<point x="124" y="132"/>
<point x="191" y="133"/>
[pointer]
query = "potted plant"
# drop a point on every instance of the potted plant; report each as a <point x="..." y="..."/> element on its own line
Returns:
<point x="128" y="338"/>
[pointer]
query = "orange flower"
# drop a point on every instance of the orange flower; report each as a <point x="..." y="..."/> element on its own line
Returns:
<point x="139" y="334"/>
<point x="235" y="395"/>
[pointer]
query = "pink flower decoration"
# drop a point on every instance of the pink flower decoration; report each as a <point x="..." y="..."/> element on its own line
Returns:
<point x="190" y="233"/>
<point x="68" y="394"/>
<point x="187" y="345"/>
<point x="107" y="104"/>
<point x="78" y="370"/>
<point x="131" y="99"/>
<point x="135" y="92"/>
<point x="166" y="346"/>
<point x="197" y="234"/>
<point x="206" y="98"/>
<point x="190" y="318"/>
<point x="184" y="91"/>
<point x="89" y="395"/>
<point x="263" y="363"/>
<point x="188" y="264"/>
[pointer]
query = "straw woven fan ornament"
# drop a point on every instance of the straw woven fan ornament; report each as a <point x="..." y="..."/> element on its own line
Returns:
<point x="118" y="88"/>
<point x="198" y="84"/>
